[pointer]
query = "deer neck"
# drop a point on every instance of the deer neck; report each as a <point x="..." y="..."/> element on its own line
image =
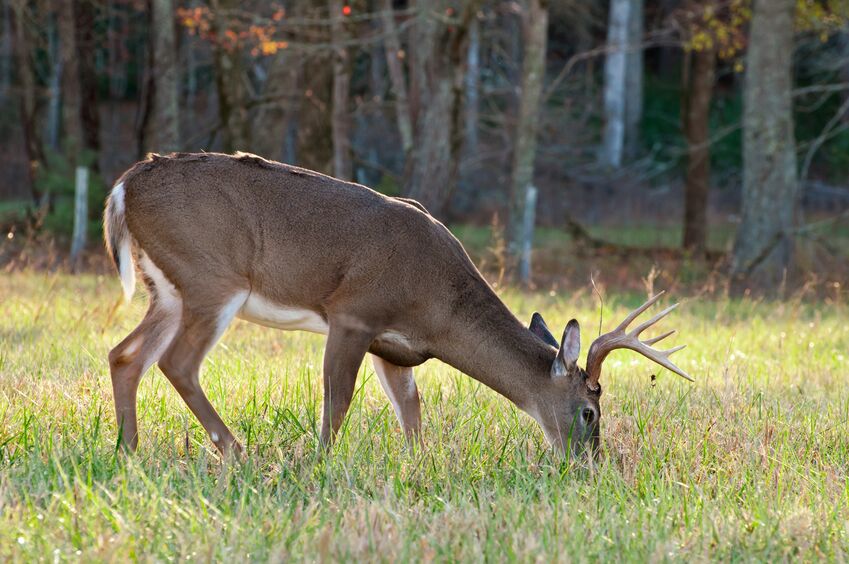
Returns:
<point x="489" y="344"/>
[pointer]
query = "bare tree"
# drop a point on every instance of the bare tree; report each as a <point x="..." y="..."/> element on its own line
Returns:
<point x="534" y="30"/>
<point x="437" y="72"/>
<point x="472" y="83"/>
<point x="230" y="80"/>
<point x="85" y="12"/>
<point x="699" y="67"/>
<point x="396" y="75"/>
<point x="764" y="244"/>
<point x="164" y="123"/>
<point x="23" y="46"/>
<point x="634" y="79"/>
<point x="53" y="119"/>
<point x="6" y="54"/>
<point x="616" y="83"/>
<point x="341" y="113"/>
<point x="273" y="118"/>
<point x="72" y="129"/>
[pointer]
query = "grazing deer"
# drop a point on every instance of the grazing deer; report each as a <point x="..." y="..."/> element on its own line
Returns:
<point x="218" y="236"/>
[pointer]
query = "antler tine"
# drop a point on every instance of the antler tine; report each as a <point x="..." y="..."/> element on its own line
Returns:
<point x="645" y="325"/>
<point x="619" y="339"/>
<point x="661" y="357"/>
<point x="668" y="352"/>
<point x="659" y="338"/>
<point x="636" y="313"/>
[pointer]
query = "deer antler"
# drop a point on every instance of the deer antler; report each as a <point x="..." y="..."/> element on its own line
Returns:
<point x="619" y="339"/>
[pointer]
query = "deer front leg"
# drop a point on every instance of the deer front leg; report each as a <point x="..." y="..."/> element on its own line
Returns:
<point x="400" y="387"/>
<point x="343" y="354"/>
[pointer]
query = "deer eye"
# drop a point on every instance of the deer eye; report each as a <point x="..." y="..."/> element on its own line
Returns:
<point x="588" y="415"/>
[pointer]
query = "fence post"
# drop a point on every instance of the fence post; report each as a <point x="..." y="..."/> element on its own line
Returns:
<point x="528" y="221"/>
<point x="78" y="240"/>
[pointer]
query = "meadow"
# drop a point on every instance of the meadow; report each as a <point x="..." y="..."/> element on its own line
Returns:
<point x="750" y="463"/>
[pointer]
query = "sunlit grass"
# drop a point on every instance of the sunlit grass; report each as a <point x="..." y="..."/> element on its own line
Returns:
<point x="750" y="462"/>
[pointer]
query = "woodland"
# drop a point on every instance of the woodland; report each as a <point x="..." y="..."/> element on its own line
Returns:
<point x="710" y="133"/>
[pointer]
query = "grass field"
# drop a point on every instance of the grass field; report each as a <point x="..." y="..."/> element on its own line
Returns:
<point x="749" y="463"/>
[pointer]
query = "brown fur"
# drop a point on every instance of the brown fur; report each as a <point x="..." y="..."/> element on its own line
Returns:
<point x="216" y="224"/>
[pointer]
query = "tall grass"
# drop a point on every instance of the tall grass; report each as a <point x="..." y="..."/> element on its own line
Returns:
<point x="749" y="463"/>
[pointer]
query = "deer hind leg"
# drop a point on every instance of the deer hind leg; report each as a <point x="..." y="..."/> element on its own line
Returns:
<point x="181" y="364"/>
<point x="132" y="357"/>
<point x="400" y="387"/>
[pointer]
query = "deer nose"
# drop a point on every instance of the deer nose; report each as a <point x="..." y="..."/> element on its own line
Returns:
<point x="588" y="416"/>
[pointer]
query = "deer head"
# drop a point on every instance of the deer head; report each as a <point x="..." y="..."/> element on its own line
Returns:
<point x="571" y="415"/>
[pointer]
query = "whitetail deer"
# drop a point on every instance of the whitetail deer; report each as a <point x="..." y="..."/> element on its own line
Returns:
<point x="218" y="236"/>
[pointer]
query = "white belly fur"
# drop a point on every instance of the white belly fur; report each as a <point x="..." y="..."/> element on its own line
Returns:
<point x="258" y="309"/>
<point x="264" y="312"/>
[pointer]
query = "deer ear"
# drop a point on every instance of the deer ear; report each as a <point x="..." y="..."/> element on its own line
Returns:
<point x="570" y="348"/>
<point x="540" y="329"/>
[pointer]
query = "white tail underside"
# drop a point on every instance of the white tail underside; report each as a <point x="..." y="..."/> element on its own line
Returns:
<point x="126" y="269"/>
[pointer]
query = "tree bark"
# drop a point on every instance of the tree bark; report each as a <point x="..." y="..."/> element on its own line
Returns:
<point x="230" y="81"/>
<point x="472" y="103"/>
<point x="763" y="249"/>
<point x="89" y="111"/>
<point x="146" y="90"/>
<point x="53" y="119"/>
<point x="7" y="52"/>
<point x="23" y="47"/>
<point x="422" y="36"/>
<point x="273" y="119"/>
<point x="396" y="75"/>
<point x="634" y="80"/>
<point x="439" y="69"/>
<point x="615" y="83"/>
<point x="341" y="114"/>
<point x="696" y="120"/>
<point x="314" y="133"/>
<point x="535" y="29"/>
<point x="431" y="169"/>
<point x="164" y="124"/>
<point x="72" y="130"/>
<point x="118" y="72"/>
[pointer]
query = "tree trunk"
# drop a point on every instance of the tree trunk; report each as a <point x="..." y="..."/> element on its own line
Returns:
<point x="7" y="54"/>
<point x="117" y="72"/>
<point x="843" y="71"/>
<point x="314" y="133"/>
<point x="396" y="75"/>
<point x="439" y="69"/>
<point x="764" y="245"/>
<point x="422" y="36"/>
<point x="147" y="83"/>
<point x="377" y="65"/>
<point x="535" y="29"/>
<point x="472" y="103"/>
<point x="164" y="124"/>
<point x="53" y="120"/>
<point x="231" y="82"/>
<point x="615" y="83"/>
<point x="696" y="120"/>
<point x="90" y="115"/>
<point x="341" y="114"/>
<point x="23" y="47"/>
<point x="72" y="129"/>
<point x="431" y="167"/>
<point x="272" y="119"/>
<point x="190" y="70"/>
<point x="634" y="80"/>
